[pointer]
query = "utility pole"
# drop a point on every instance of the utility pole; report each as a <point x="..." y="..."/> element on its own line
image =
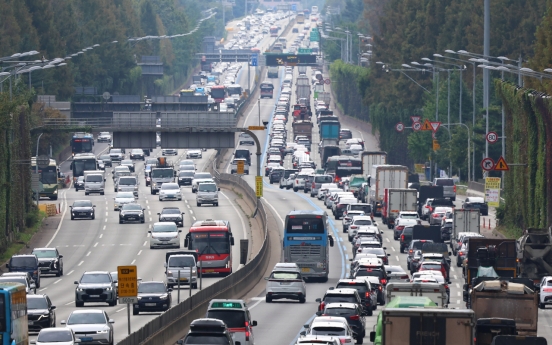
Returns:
<point x="486" y="52"/>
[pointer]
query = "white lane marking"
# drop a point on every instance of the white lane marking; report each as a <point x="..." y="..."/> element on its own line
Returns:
<point x="458" y="285"/>
<point x="149" y="212"/>
<point x="121" y="309"/>
<point x="64" y="202"/>
<point x="106" y="220"/>
<point x="70" y="273"/>
<point x="455" y="277"/>
<point x="186" y="201"/>
<point x="140" y="252"/>
<point x="42" y="289"/>
<point x="458" y="293"/>
<point x="133" y="261"/>
<point x="106" y="214"/>
<point x="101" y="235"/>
<point x="192" y="212"/>
<point x="387" y="239"/>
<point x="80" y="263"/>
<point x="69" y="303"/>
<point x="147" y="201"/>
<point x="194" y="218"/>
<point x="396" y="256"/>
<point x="143" y="245"/>
<point x="347" y="257"/>
<point x="148" y="207"/>
<point x="188" y="206"/>
<point x="148" y="235"/>
<point x="88" y="254"/>
<point x="239" y="215"/>
<point x="150" y="219"/>
<point x="344" y="248"/>
<point x="256" y="303"/>
<point x="393" y="248"/>
<point x="57" y="281"/>
<point x="104" y="227"/>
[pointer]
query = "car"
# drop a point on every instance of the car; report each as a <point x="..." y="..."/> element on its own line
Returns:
<point x="171" y="152"/>
<point x="369" y="300"/>
<point x="83" y="209"/>
<point x="426" y="209"/>
<point x="95" y="286"/>
<point x="56" y="336"/>
<point x="245" y="139"/>
<point x="348" y="218"/>
<point x="101" y="165"/>
<point x="283" y="283"/>
<point x="545" y="295"/>
<point x="396" y="274"/>
<point x="234" y="166"/>
<point x="405" y="238"/>
<point x="106" y="159"/>
<point x="412" y="248"/>
<point x="345" y="133"/>
<point x="194" y="153"/>
<point x="170" y="191"/>
<point x="116" y="155"/>
<point x="93" y="326"/>
<point x="446" y="230"/>
<point x="236" y="315"/>
<point x="461" y="239"/>
<point x="164" y="234"/>
<point x="350" y="311"/>
<point x="437" y="215"/>
<point x="21" y="278"/>
<point x="152" y="296"/>
<point x="340" y="205"/>
<point x="128" y="163"/>
<point x="358" y="221"/>
<point x="41" y="313"/>
<point x="276" y="174"/>
<point x="137" y="154"/>
<point x="131" y="212"/>
<point x="104" y="137"/>
<point x="318" y="339"/>
<point x="343" y="295"/>
<point x="208" y="330"/>
<point x="185" y="177"/>
<point x="122" y="198"/>
<point x="200" y="177"/>
<point x="294" y="30"/>
<point x="49" y="261"/>
<point x="172" y="214"/>
<point x="449" y="188"/>
<point x="402" y="223"/>
<point x="437" y="275"/>
<point x="378" y="287"/>
<point x="476" y="203"/>
<point x="270" y="166"/>
<point x="79" y="183"/>
<point x="331" y="325"/>
<point x="433" y="266"/>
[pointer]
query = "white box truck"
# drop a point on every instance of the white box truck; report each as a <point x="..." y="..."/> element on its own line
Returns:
<point x="382" y="177"/>
<point x="396" y="200"/>
<point x="465" y="221"/>
<point x="371" y="158"/>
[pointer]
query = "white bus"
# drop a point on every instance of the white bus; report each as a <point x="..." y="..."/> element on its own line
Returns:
<point x="314" y="10"/>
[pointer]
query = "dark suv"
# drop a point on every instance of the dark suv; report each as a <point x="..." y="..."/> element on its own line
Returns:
<point x="50" y="261"/>
<point x="207" y="331"/>
<point x="352" y="312"/>
<point x="406" y="238"/>
<point x="26" y="263"/>
<point x="96" y="286"/>
<point x="412" y="248"/>
<point x="369" y="303"/>
<point x="339" y="296"/>
<point x="40" y="312"/>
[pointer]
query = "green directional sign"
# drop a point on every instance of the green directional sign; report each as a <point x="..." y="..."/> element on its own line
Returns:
<point x="304" y="51"/>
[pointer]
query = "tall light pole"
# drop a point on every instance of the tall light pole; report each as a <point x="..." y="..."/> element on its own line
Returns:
<point x="36" y="170"/>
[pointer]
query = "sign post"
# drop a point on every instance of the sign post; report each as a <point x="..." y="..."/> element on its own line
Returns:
<point x="492" y="191"/>
<point x="240" y="167"/>
<point x="259" y="186"/>
<point x="128" y="287"/>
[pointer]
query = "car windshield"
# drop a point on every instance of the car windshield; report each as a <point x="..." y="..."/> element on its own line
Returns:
<point x="115" y="151"/>
<point x="181" y="261"/>
<point x="170" y="211"/>
<point x="127" y="181"/>
<point x="82" y="204"/>
<point x="37" y="303"/>
<point x="125" y="195"/>
<point x="444" y="182"/>
<point x="186" y="163"/>
<point x="361" y="288"/>
<point x="94" y="178"/>
<point x="126" y="162"/>
<point x="86" y="319"/>
<point x="328" y="330"/>
<point x="149" y="287"/>
<point x="169" y="227"/>
<point x="394" y="269"/>
<point x="169" y="186"/>
<point x="19" y="280"/>
<point x="137" y="151"/>
<point x="99" y="278"/>
<point x="232" y="318"/>
<point x="207" y="187"/>
<point x="186" y="167"/>
<point x="202" y="175"/>
<point x="186" y="174"/>
<point x="55" y="336"/>
<point x="132" y="207"/>
<point x="339" y="311"/>
<point x="207" y="339"/>
<point x="45" y="253"/>
<point x="162" y="173"/>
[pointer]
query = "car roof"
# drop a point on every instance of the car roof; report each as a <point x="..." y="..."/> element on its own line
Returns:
<point x="87" y="311"/>
<point x="342" y="291"/>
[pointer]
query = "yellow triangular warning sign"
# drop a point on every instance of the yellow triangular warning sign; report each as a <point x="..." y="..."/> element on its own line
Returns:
<point x="501" y="165"/>
<point x="426" y="126"/>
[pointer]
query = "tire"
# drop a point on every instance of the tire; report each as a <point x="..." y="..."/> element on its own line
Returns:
<point x="350" y="238"/>
<point x="79" y="304"/>
<point x="135" y="312"/>
<point x="302" y="300"/>
<point x="408" y="266"/>
<point x="102" y="193"/>
<point x="287" y="187"/>
<point x="58" y="274"/>
<point x="120" y="221"/>
<point x="281" y="187"/>
<point x="198" y="204"/>
<point x="194" y="286"/>
<point x="295" y="189"/>
<point x="389" y="226"/>
<point x="458" y="264"/>
<point x="143" y="221"/>
<point x="72" y="218"/>
<point x="370" y="312"/>
<point x="113" y="303"/>
<point x="93" y="216"/>
<point x="268" y="299"/>
<point x="402" y="250"/>
<point x="55" y="197"/>
<point x="542" y="306"/>
<point x="86" y="193"/>
<point x="216" y="204"/>
<point x="360" y="340"/>
<point x="324" y="279"/>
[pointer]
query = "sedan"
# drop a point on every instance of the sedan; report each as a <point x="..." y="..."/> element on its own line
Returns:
<point x="170" y="191"/>
<point x="152" y="296"/>
<point x="194" y="153"/>
<point x="106" y="159"/>
<point x="79" y="184"/>
<point x="93" y="326"/>
<point x="83" y="209"/>
<point x="397" y="274"/>
<point x="123" y="198"/>
<point x="40" y="312"/>
<point x="131" y="213"/>
<point x="185" y="177"/>
<point x="172" y="152"/>
<point x="56" y="336"/>
<point x="172" y="214"/>
<point x="128" y="163"/>
<point x="137" y="154"/>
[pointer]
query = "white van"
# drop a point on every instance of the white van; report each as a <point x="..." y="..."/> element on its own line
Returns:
<point x="207" y="193"/>
<point x="94" y="182"/>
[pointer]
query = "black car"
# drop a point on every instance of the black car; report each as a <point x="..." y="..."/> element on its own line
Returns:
<point x="107" y="160"/>
<point x="185" y="177"/>
<point x="295" y="30"/>
<point x="50" y="261"/>
<point x="405" y="238"/>
<point x="172" y="214"/>
<point x="131" y="213"/>
<point x="412" y="248"/>
<point x="363" y="289"/>
<point x="352" y="312"/>
<point x="40" y="312"/>
<point x="82" y="209"/>
<point x="137" y="154"/>
<point x="345" y="134"/>
<point x="152" y="296"/>
<point x="275" y="175"/>
<point x="25" y="263"/>
<point x="79" y="184"/>
<point x="446" y="231"/>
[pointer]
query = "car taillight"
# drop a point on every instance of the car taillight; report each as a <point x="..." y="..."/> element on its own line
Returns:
<point x="410" y="251"/>
<point x="246" y="335"/>
<point x="367" y="294"/>
<point x="313" y="186"/>
<point x="342" y="341"/>
<point x="402" y="238"/>
<point x="383" y="281"/>
<point x="296" y="181"/>
<point x="446" y="286"/>
<point x="404" y="277"/>
<point x="321" y="306"/>
<point x="354" y="317"/>
<point x="400" y="227"/>
<point x="454" y="189"/>
<point x="354" y="226"/>
<point x="461" y="253"/>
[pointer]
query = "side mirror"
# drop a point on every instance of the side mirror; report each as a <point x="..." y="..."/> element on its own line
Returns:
<point x="76" y="282"/>
<point x="158" y="213"/>
<point x="232" y="240"/>
<point x="319" y="300"/>
<point x="388" y="254"/>
<point x="372" y="336"/>
<point x="61" y="256"/>
<point x="183" y="213"/>
<point x="53" y="307"/>
<point x="149" y="231"/>
<point x="93" y="205"/>
<point x="180" y="342"/>
<point x="449" y="253"/>
<point x="385" y="248"/>
<point x="253" y="323"/>
<point x="266" y="278"/>
<point x="7" y="265"/>
<point x="303" y="333"/>
<point x="331" y="239"/>
<point x="179" y="230"/>
<point x="331" y="288"/>
<point x="219" y="189"/>
<point x="165" y="264"/>
<point x="63" y="322"/>
<point x="318" y="313"/>
<point x="351" y="260"/>
<point x="111" y="321"/>
<point x="71" y="207"/>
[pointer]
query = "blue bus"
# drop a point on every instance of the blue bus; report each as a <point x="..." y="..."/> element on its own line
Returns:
<point x="306" y="242"/>
<point x="82" y="142"/>
<point x="13" y="314"/>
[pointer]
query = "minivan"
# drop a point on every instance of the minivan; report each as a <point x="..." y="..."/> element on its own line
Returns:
<point x="127" y="184"/>
<point x="243" y="153"/>
<point x="207" y="193"/>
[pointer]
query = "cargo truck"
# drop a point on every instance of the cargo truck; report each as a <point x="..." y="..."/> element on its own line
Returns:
<point x="535" y="254"/>
<point x="329" y="129"/>
<point x="434" y="291"/>
<point x="465" y="221"/>
<point x="396" y="200"/>
<point x="160" y="174"/>
<point x="302" y="128"/>
<point x="303" y="91"/>
<point x="303" y="80"/>
<point x="371" y="158"/>
<point x="385" y="176"/>
<point x="324" y="96"/>
<point x="329" y="151"/>
<point x="415" y="326"/>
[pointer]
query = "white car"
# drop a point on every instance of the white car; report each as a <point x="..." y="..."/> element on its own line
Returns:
<point x="104" y="137"/>
<point x="438" y="214"/>
<point x="199" y="178"/>
<point x="285" y="284"/>
<point x="408" y="215"/>
<point x="92" y="325"/>
<point x="123" y="198"/>
<point x="356" y="223"/>
<point x="397" y="274"/>
<point x="348" y="218"/>
<point x="164" y="234"/>
<point x="545" y="296"/>
<point x="324" y="188"/>
<point x="299" y="181"/>
<point x="245" y="139"/>
<point x="166" y="152"/>
<point x="56" y="336"/>
<point x="331" y="325"/>
<point x="194" y="153"/>
<point x="170" y="191"/>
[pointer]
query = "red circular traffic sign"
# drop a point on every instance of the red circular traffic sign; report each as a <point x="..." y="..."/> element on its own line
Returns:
<point x="487" y="164"/>
<point x="327" y="81"/>
<point x="399" y="127"/>
<point x="416" y="126"/>
<point x="492" y="137"/>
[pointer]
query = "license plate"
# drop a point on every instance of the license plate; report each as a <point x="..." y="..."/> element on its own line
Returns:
<point x="305" y="269"/>
<point x="94" y="296"/>
<point x="31" y="323"/>
<point x="131" y="218"/>
<point x="82" y="214"/>
<point x="209" y="271"/>
<point x="150" y="304"/>
<point x="183" y="279"/>
<point x="86" y="339"/>
<point x="283" y="283"/>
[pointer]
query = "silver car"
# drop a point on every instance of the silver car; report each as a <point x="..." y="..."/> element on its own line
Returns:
<point x="285" y="284"/>
<point x="170" y="191"/>
<point x="91" y="326"/>
<point x="123" y="198"/>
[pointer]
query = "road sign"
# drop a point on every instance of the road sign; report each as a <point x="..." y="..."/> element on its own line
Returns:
<point x="128" y="300"/>
<point x="240" y="167"/>
<point x="501" y="165"/>
<point x="399" y="127"/>
<point x="290" y="59"/>
<point x="128" y="281"/>
<point x="487" y="164"/>
<point x="256" y="128"/>
<point x="294" y="7"/>
<point x="436" y="145"/>
<point x="416" y="126"/>
<point x="43" y="161"/>
<point x="492" y="138"/>
<point x="435" y="125"/>
<point x="327" y="81"/>
<point x="254" y="60"/>
<point x="259" y="186"/>
<point x="415" y="119"/>
<point x="426" y="126"/>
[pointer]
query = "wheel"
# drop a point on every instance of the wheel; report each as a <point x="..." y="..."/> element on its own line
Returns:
<point x="268" y="299"/>
<point x="120" y="221"/>
<point x="302" y="300"/>
<point x="370" y="312"/>
<point x="324" y="279"/>
<point x="198" y="204"/>
<point x="58" y="273"/>
<point x="142" y="221"/>
<point x="160" y="199"/>
<point x="216" y="204"/>
<point x="102" y="193"/>
<point x="72" y="218"/>
<point x="281" y="187"/>
<point x="93" y="216"/>
<point x="295" y="189"/>
<point x="458" y="264"/>
<point x="542" y="306"/>
<point x="350" y="238"/>
<point x="287" y="187"/>
<point x="115" y="190"/>
<point x="389" y="226"/>
<point x="194" y="286"/>
<point x="360" y="340"/>
<point x="135" y="312"/>
<point x="271" y="182"/>
<point x="402" y="249"/>
<point x="55" y="197"/>
<point x="111" y="304"/>
<point x="79" y="304"/>
<point x="408" y="266"/>
<point x="86" y="193"/>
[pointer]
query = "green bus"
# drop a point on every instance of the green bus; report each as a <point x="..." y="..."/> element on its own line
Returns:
<point x="48" y="177"/>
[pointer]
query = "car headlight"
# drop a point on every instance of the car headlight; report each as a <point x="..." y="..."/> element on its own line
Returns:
<point x="108" y="289"/>
<point x="79" y="289"/>
<point x="169" y="274"/>
<point x="165" y="296"/>
<point x="103" y="331"/>
<point x="139" y="297"/>
<point x="43" y="316"/>
<point x="194" y="270"/>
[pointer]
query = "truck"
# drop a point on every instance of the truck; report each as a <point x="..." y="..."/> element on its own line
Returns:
<point x="329" y="151"/>
<point x="385" y="176"/>
<point x="303" y="80"/>
<point x="396" y="200"/>
<point x="465" y="221"/>
<point x="429" y="325"/>
<point x="303" y="91"/>
<point x="371" y="158"/>
<point x="329" y="129"/>
<point x="535" y="254"/>
<point x="434" y="291"/>
<point x="324" y="96"/>
<point x="94" y="182"/>
<point x="160" y="174"/>
<point x="181" y="264"/>
<point x="427" y="232"/>
<point x="503" y="299"/>
<point x="196" y="79"/>
<point x="428" y="192"/>
<point x="302" y="128"/>
<point x="272" y="72"/>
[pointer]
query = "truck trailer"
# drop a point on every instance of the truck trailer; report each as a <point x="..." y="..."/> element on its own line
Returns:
<point x="396" y="200"/>
<point x="382" y="177"/>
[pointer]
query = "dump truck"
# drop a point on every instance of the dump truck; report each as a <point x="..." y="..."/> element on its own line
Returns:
<point x="465" y="221"/>
<point x="382" y="177"/>
<point x="505" y="299"/>
<point x="303" y="91"/>
<point x="396" y="200"/>
<point x="535" y="254"/>
<point x="302" y="128"/>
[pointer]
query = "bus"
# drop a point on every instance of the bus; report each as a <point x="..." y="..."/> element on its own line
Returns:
<point x="82" y="142"/>
<point x="13" y="314"/>
<point x="213" y="241"/>
<point x="48" y="177"/>
<point x="343" y="166"/>
<point x="82" y="162"/>
<point x="234" y="89"/>
<point x="306" y="242"/>
<point x="300" y="18"/>
<point x="267" y="90"/>
<point x="314" y="9"/>
<point x="218" y="93"/>
<point x="273" y="31"/>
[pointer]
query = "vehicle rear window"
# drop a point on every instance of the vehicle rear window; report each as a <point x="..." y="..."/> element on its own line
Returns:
<point x="444" y="182"/>
<point x="23" y="262"/>
<point x="366" y="208"/>
<point x="435" y="267"/>
<point x="328" y="330"/>
<point x="339" y="312"/>
<point x="305" y="225"/>
<point x="336" y="298"/>
<point x="407" y="231"/>
<point x="232" y="318"/>
<point x="323" y="179"/>
<point x="369" y="273"/>
<point x="359" y="287"/>
<point x="419" y="244"/>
